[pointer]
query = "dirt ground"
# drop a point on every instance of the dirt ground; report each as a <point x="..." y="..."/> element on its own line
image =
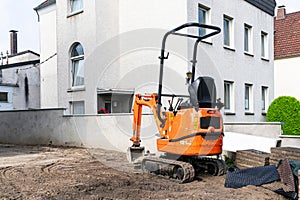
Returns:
<point x="28" y="172"/>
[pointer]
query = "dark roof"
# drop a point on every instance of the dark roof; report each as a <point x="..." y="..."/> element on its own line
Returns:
<point x="287" y="36"/>
<point x="45" y="4"/>
<point x="23" y="52"/>
<point x="267" y="6"/>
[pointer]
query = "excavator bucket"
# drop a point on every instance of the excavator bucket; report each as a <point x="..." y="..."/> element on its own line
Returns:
<point x="133" y="153"/>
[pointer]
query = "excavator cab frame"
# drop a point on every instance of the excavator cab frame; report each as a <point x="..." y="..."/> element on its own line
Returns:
<point x="198" y="38"/>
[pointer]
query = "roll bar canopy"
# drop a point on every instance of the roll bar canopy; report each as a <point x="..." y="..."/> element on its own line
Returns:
<point x="198" y="38"/>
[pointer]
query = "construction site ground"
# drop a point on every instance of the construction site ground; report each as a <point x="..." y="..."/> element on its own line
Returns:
<point x="37" y="172"/>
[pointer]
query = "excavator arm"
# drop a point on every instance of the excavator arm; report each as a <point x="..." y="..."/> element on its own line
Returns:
<point x="151" y="102"/>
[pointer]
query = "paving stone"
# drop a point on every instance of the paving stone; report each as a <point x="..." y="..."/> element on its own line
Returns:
<point x="280" y="153"/>
<point x="251" y="158"/>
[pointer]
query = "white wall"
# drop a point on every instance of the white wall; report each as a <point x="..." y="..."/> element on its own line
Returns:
<point x="155" y="14"/>
<point x="116" y="45"/>
<point x="262" y="129"/>
<point x="142" y="27"/>
<point x="23" y="58"/>
<point x="50" y="126"/>
<point x="113" y="132"/>
<point x="14" y="77"/>
<point x="286" y="77"/>
<point x="49" y="87"/>
<point x="32" y="101"/>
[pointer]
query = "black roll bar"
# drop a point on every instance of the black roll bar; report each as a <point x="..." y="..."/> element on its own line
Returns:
<point x="162" y="57"/>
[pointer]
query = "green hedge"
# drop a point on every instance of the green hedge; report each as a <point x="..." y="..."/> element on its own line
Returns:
<point x="286" y="109"/>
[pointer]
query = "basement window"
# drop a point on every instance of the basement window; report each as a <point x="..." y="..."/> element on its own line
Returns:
<point x="3" y="97"/>
<point x="77" y="107"/>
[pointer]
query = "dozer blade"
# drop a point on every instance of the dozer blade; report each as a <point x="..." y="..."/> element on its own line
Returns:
<point x="133" y="153"/>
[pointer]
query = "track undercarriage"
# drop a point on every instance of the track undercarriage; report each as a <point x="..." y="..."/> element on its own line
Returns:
<point x="184" y="169"/>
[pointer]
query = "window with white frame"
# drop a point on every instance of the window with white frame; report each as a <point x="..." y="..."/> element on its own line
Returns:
<point x="77" y="107"/>
<point x="228" y="32"/>
<point x="76" y="5"/>
<point x="77" y="65"/>
<point x="228" y="96"/>
<point x="248" y="98"/>
<point x="264" y="98"/>
<point x="248" y="38"/>
<point x="264" y="45"/>
<point x="203" y="18"/>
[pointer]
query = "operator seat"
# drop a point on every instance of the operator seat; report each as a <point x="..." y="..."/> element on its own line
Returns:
<point x="203" y="92"/>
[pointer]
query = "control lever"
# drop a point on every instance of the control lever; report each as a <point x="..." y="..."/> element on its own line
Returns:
<point x="177" y="103"/>
<point x="220" y="105"/>
<point x="171" y="104"/>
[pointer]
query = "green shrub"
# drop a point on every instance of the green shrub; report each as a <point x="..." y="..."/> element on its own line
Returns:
<point x="229" y="161"/>
<point x="285" y="109"/>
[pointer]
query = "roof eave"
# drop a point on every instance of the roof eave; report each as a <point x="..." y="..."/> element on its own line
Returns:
<point x="45" y="4"/>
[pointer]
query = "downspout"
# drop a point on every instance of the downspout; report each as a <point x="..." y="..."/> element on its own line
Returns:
<point x="37" y="14"/>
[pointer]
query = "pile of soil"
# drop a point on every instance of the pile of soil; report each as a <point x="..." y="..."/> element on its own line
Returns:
<point x="28" y="172"/>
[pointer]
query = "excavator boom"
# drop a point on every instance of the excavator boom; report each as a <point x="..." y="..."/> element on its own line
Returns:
<point x="149" y="100"/>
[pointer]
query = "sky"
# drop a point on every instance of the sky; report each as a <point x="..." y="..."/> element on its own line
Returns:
<point x="290" y="5"/>
<point x="19" y="15"/>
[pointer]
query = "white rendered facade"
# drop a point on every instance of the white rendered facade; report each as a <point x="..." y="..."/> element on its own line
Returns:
<point x="286" y="77"/>
<point x="121" y="41"/>
<point x="233" y="64"/>
<point x="48" y="47"/>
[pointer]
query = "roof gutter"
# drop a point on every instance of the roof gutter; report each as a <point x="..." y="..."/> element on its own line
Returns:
<point x="31" y="62"/>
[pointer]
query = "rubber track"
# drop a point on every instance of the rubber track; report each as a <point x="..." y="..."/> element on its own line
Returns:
<point x="220" y="164"/>
<point x="189" y="172"/>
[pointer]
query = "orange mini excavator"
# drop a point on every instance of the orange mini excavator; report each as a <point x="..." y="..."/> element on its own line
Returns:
<point x="191" y="131"/>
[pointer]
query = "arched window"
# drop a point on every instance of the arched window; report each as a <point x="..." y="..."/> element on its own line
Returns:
<point x="77" y="61"/>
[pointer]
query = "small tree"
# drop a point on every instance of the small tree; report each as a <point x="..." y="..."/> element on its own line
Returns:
<point x="285" y="109"/>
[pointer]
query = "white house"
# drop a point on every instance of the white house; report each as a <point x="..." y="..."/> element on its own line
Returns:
<point x="105" y="51"/>
<point x="287" y="53"/>
<point x="19" y="78"/>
